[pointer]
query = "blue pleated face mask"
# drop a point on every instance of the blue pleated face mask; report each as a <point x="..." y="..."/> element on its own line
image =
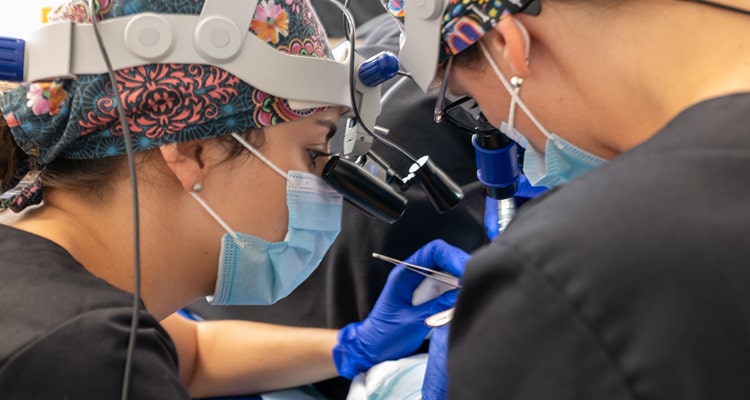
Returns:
<point x="253" y="271"/>
<point x="561" y="162"/>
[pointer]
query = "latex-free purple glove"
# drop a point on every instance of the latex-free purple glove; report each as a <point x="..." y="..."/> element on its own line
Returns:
<point x="395" y="328"/>
<point x="435" y="385"/>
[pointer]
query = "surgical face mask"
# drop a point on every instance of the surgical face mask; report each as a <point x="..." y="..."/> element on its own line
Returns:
<point x="561" y="162"/>
<point x="253" y="271"/>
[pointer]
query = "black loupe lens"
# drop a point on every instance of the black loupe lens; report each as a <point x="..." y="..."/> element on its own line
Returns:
<point x="364" y="190"/>
<point x="442" y="192"/>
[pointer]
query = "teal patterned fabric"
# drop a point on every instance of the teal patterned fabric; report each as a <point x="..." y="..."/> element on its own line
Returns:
<point x="164" y="103"/>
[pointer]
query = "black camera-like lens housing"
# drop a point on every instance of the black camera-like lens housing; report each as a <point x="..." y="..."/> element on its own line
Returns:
<point x="365" y="191"/>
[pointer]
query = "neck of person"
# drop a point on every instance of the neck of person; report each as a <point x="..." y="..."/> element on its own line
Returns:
<point x="100" y="237"/>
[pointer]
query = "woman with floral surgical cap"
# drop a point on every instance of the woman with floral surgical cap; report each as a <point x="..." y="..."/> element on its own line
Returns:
<point x="226" y="174"/>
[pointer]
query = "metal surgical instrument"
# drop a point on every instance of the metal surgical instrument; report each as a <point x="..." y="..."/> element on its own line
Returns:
<point x="443" y="317"/>
<point x="442" y="277"/>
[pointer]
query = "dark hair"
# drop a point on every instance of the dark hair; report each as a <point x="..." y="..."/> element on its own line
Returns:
<point x="9" y="154"/>
<point x="471" y="57"/>
<point x="91" y="178"/>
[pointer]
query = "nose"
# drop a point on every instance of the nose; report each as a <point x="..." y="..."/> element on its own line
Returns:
<point x="341" y="110"/>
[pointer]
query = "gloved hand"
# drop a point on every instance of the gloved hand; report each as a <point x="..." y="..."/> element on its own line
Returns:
<point x="395" y="328"/>
<point x="435" y="385"/>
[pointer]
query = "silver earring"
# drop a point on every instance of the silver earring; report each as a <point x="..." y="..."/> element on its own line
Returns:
<point x="516" y="82"/>
<point x="197" y="188"/>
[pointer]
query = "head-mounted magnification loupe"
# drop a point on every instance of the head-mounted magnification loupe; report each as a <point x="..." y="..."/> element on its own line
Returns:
<point x="219" y="36"/>
<point x="366" y="179"/>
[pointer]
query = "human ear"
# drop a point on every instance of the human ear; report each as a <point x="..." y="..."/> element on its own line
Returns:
<point x="186" y="161"/>
<point x="516" y="45"/>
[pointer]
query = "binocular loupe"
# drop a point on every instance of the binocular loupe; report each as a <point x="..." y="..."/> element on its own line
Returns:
<point x="365" y="179"/>
<point x="365" y="183"/>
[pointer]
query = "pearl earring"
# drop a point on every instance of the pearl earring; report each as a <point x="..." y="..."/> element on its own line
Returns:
<point x="197" y="188"/>
<point x="516" y="82"/>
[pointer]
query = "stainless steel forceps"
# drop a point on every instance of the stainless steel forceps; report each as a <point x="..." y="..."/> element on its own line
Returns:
<point x="442" y="277"/>
<point x="438" y="319"/>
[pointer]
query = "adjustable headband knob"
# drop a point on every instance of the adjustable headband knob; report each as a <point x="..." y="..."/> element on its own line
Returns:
<point x="425" y="9"/>
<point x="378" y="69"/>
<point x="218" y="38"/>
<point x="149" y="36"/>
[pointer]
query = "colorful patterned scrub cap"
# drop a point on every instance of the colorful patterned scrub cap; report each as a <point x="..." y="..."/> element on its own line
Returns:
<point x="465" y="21"/>
<point x="165" y="103"/>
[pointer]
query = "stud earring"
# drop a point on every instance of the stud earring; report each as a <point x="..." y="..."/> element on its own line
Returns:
<point x="197" y="188"/>
<point x="516" y="82"/>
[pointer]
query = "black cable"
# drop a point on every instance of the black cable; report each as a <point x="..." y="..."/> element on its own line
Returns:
<point x="93" y="11"/>
<point x="352" y="37"/>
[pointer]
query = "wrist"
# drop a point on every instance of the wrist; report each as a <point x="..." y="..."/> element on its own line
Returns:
<point x="349" y="356"/>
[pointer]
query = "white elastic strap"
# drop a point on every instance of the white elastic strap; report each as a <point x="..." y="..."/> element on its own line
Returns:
<point x="512" y="111"/>
<point x="517" y="90"/>
<point x="526" y="38"/>
<point x="216" y="217"/>
<point x="258" y="154"/>
<point x="514" y="95"/>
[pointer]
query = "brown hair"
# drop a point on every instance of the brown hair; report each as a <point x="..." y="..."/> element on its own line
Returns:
<point x="9" y="154"/>
<point x="471" y="57"/>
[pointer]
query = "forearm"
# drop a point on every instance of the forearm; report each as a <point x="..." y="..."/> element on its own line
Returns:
<point x="243" y="357"/>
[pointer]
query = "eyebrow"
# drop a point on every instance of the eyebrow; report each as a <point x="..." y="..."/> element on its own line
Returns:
<point x="332" y="128"/>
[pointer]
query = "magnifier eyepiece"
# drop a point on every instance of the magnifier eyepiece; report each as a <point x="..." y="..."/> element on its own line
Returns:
<point x="443" y="193"/>
<point x="364" y="190"/>
<point x="497" y="164"/>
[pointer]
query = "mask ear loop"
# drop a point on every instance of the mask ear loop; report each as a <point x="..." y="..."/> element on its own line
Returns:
<point x="258" y="154"/>
<point x="515" y="99"/>
<point x="217" y="218"/>
<point x="211" y="211"/>
<point x="526" y="39"/>
<point x="517" y="81"/>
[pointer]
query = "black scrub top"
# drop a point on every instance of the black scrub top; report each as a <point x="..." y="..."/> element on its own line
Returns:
<point x="631" y="282"/>
<point x="64" y="332"/>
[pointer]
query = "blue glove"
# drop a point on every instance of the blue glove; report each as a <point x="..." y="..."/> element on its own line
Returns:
<point x="395" y="328"/>
<point x="435" y="385"/>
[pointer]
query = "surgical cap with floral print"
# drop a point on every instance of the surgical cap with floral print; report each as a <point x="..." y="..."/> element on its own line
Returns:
<point x="164" y="103"/>
<point x="465" y="21"/>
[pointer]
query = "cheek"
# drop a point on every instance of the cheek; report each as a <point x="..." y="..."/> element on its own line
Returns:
<point x="494" y="108"/>
<point x="272" y="214"/>
<point x="486" y="90"/>
<point x="495" y="105"/>
<point x="257" y="203"/>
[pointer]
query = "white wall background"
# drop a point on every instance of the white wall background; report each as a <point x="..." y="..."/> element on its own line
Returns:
<point x="18" y="18"/>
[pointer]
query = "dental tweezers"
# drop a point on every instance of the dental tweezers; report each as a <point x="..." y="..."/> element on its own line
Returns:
<point x="439" y="276"/>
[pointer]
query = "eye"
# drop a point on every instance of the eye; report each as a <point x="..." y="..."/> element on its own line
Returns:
<point x="314" y="154"/>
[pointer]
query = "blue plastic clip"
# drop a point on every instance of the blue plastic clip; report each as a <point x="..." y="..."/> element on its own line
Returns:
<point x="12" y="59"/>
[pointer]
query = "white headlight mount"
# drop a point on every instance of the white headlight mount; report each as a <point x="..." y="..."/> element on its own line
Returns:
<point x="219" y="36"/>
<point x="420" y="44"/>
